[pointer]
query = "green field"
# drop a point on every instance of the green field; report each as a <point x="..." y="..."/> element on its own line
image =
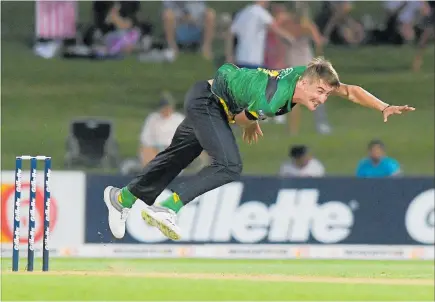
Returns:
<point x="40" y="98"/>
<point x="219" y="280"/>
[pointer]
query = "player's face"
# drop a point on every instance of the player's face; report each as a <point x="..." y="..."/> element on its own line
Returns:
<point x="316" y="93"/>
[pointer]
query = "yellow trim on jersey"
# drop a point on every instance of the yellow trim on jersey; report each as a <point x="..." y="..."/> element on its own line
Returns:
<point x="227" y="111"/>
<point x="269" y="72"/>
<point x="254" y="114"/>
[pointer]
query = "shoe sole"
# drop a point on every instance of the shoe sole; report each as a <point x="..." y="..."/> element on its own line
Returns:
<point x="109" y="206"/>
<point x="148" y="217"/>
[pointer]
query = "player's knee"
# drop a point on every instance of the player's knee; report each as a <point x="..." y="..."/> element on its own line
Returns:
<point x="230" y="168"/>
<point x="233" y="170"/>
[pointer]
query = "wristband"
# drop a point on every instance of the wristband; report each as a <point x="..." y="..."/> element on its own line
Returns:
<point x="385" y="108"/>
<point x="250" y="116"/>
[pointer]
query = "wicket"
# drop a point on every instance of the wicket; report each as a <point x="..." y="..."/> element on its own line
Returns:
<point x="32" y="210"/>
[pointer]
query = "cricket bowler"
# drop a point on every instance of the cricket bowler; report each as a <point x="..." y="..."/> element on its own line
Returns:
<point x="238" y="96"/>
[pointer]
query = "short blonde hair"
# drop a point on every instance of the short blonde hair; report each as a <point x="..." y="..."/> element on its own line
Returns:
<point x="321" y="69"/>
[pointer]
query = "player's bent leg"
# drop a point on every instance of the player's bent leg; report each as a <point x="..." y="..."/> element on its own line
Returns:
<point x="163" y="216"/>
<point x="156" y="176"/>
<point x="167" y="165"/>
<point x="216" y="137"/>
<point x="154" y="179"/>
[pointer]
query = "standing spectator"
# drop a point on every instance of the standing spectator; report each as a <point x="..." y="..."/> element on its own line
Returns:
<point x="249" y="27"/>
<point x="187" y="23"/>
<point x="377" y="164"/>
<point x="301" y="164"/>
<point x="55" y="24"/>
<point x="428" y="10"/>
<point x="280" y="54"/>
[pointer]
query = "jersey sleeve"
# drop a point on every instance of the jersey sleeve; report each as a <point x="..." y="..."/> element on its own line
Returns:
<point x="273" y="107"/>
<point x="263" y="108"/>
<point x="259" y="112"/>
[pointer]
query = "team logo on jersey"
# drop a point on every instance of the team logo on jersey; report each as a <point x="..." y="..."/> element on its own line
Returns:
<point x="285" y="72"/>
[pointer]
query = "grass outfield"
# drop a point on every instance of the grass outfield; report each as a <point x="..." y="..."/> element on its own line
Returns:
<point x="40" y="98"/>
<point x="185" y="279"/>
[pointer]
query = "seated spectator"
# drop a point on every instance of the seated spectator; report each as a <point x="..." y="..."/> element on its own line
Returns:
<point x="250" y="27"/>
<point x="116" y="29"/>
<point x="158" y="130"/>
<point x="337" y="25"/>
<point x="156" y="135"/>
<point x="301" y="164"/>
<point x="189" y="23"/>
<point x="377" y="164"/>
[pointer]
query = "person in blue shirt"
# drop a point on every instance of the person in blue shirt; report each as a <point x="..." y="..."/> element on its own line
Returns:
<point x="377" y="164"/>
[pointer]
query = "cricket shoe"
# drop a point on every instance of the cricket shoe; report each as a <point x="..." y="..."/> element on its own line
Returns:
<point x="117" y="213"/>
<point x="164" y="219"/>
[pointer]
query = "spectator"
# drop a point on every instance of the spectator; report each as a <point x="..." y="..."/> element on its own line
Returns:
<point x="158" y="130"/>
<point x="156" y="135"/>
<point x="116" y="29"/>
<point x="402" y="16"/>
<point x="337" y="25"/>
<point x="301" y="53"/>
<point x="189" y="23"/>
<point x="377" y="164"/>
<point x="280" y="54"/>
<point x="301" y="164"/>
<point x="249" y="27"/>
<point x="55" y="25"/>
<point x="428" y="11"/>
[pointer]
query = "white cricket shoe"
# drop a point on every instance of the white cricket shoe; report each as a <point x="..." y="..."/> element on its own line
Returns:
<point x="164" y="219"/>
<point x="117" y="214"/>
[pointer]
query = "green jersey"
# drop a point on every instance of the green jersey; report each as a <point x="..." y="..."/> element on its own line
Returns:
<point x="262" y="92"/>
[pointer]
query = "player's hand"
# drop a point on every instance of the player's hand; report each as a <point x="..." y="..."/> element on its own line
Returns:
<point x="390" y="110"/>
<point x="252" y="133"/>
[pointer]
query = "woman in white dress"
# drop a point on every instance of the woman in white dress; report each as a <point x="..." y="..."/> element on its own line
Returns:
<point x="280" y="54"/>
<point x="301" y="53"/>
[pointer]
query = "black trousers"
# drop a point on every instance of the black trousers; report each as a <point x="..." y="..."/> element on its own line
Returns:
<point x="204" y="128"/>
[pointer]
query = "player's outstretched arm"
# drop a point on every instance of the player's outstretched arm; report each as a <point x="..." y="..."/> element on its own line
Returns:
<point x="362" y="97"/>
